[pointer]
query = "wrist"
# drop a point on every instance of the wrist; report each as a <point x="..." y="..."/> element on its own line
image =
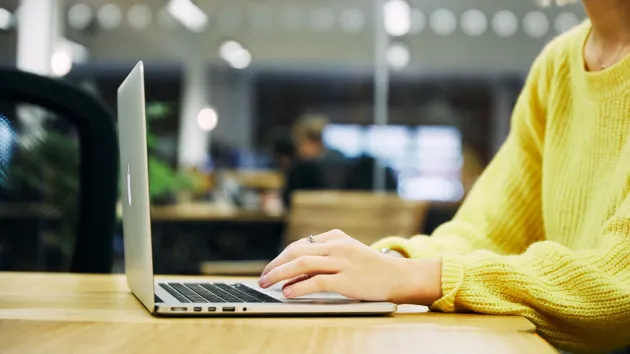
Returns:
<point x="391" y="253"/>
<point x="420" y="282"/>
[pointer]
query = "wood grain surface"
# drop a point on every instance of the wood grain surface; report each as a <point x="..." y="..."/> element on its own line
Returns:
<point x="69" y="313"/>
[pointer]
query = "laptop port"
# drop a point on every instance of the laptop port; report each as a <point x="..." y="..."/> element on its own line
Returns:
<point x="212" y="309"/>
<point x="244" y="309"/>
<point x="197" y="309"/>
<point x="178" y="309"/>
<point x="229" y="309"/>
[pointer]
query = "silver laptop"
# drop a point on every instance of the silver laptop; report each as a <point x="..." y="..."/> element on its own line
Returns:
<point x="196" y="297"/>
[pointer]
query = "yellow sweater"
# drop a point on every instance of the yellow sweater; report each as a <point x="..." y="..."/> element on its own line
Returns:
<point x="545" y="232"/>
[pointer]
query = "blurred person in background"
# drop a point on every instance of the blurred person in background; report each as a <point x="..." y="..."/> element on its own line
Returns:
<point x="545" y="230"/>
<point x="298" y="174"/>
<point x="360" y="175"/>
<point x="308" y="137"/>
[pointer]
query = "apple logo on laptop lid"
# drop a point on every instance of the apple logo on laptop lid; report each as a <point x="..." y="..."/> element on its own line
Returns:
<point x="128" y="184"/>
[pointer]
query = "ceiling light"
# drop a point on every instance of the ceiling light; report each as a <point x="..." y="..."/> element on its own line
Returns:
<point x="79" y="16"/>
<point x="188" y="14"/>
<point x="139" y="16"/>
<point x="505" y="23"/>
<point x="443" y="22"/>
<point x="66" y="48"/>
<point x="234" y="53"/>
<point x="398" y="56"/>
<point x="474" y="23"/>
<point x="61" y="63"/>
<point x="78" y="52"/>
<point x="418" y="21"/>
<point x="397" y="16"/>
<point x="5" y="19"/>
<point x="241" y="58"/>
<point x="109" y="16"/>
<point x="536" y="24"/>
<point x="227" y="49"/>
<point x="207" y="119"/>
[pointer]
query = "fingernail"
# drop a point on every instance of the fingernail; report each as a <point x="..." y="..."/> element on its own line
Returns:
<point x="286" y="292"/>
<point x="262" y="281"/>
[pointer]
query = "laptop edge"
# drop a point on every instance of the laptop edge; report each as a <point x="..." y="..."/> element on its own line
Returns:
<point x="137" y="237"/>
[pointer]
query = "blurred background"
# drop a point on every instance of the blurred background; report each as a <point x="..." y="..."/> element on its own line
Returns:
<point x="268" y="120"/>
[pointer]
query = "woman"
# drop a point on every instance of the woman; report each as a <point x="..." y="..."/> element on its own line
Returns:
<point x="545" y="232"/>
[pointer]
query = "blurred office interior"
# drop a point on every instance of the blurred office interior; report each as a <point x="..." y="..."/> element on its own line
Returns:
<point x="416" y="96"/>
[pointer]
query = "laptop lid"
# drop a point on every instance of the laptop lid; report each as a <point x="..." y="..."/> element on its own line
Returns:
<point x="135" y="187"/>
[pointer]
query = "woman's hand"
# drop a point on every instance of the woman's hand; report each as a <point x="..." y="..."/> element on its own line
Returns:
<point x="338" y="263"/>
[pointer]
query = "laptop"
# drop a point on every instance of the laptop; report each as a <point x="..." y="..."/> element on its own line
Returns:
<point x="193" y="296"/>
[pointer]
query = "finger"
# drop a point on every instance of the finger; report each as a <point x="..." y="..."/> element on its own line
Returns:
<point x="274" y="262"/>
<point x="328" y="236"/>
<point x="297" y="279"/>
<point x="289" y="254"/>
<point x="319" y="238"/>
<point x="297" y="267"/>
<point x="314" y="284"/>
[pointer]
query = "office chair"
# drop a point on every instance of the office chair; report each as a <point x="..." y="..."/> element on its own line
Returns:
<point x="93" y="125"/>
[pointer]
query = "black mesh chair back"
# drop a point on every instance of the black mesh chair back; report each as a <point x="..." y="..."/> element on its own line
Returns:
<point x="72" y="156"/>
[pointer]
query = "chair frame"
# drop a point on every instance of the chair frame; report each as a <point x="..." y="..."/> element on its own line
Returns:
<point x="99" y="159"/>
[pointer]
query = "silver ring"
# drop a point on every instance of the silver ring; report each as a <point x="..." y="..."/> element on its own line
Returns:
<point x="310" y="239"/>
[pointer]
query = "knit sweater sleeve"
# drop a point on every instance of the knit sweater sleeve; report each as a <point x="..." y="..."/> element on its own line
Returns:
<point x="502" y="212"/>
<point x="579" y="300"/>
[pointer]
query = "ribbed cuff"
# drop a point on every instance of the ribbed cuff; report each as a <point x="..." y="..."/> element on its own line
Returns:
<point x="453" y="268"/>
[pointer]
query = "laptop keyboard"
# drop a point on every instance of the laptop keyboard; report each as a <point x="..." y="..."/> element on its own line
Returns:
<point x="215" y="293"/>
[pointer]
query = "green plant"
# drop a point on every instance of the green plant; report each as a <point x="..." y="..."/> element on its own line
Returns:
<point x="49" y="167"/>
<point x="164" y="180"/>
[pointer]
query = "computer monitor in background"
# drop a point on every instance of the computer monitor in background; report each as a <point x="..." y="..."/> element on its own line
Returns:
<point x="389" y="143"/>
<point x="437" y="166"/>
<point x="347" y="139"/>
<point x="426" y="159"/>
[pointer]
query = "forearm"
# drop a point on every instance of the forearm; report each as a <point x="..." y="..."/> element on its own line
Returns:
<point x="419" y="281"/>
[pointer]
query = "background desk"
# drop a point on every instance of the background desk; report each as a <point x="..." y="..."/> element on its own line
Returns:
<point x="27" y="220"/>
<point x="63" y="313"/>
<point x="192" y="212"/>
<point x="191" y="238"/>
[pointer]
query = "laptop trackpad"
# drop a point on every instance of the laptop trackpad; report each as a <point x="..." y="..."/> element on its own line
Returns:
<point x="328" y="298"/>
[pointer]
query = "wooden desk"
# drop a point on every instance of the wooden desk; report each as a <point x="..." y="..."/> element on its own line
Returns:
<point x="209" y="212"/>
<point x="62" y="313"/>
